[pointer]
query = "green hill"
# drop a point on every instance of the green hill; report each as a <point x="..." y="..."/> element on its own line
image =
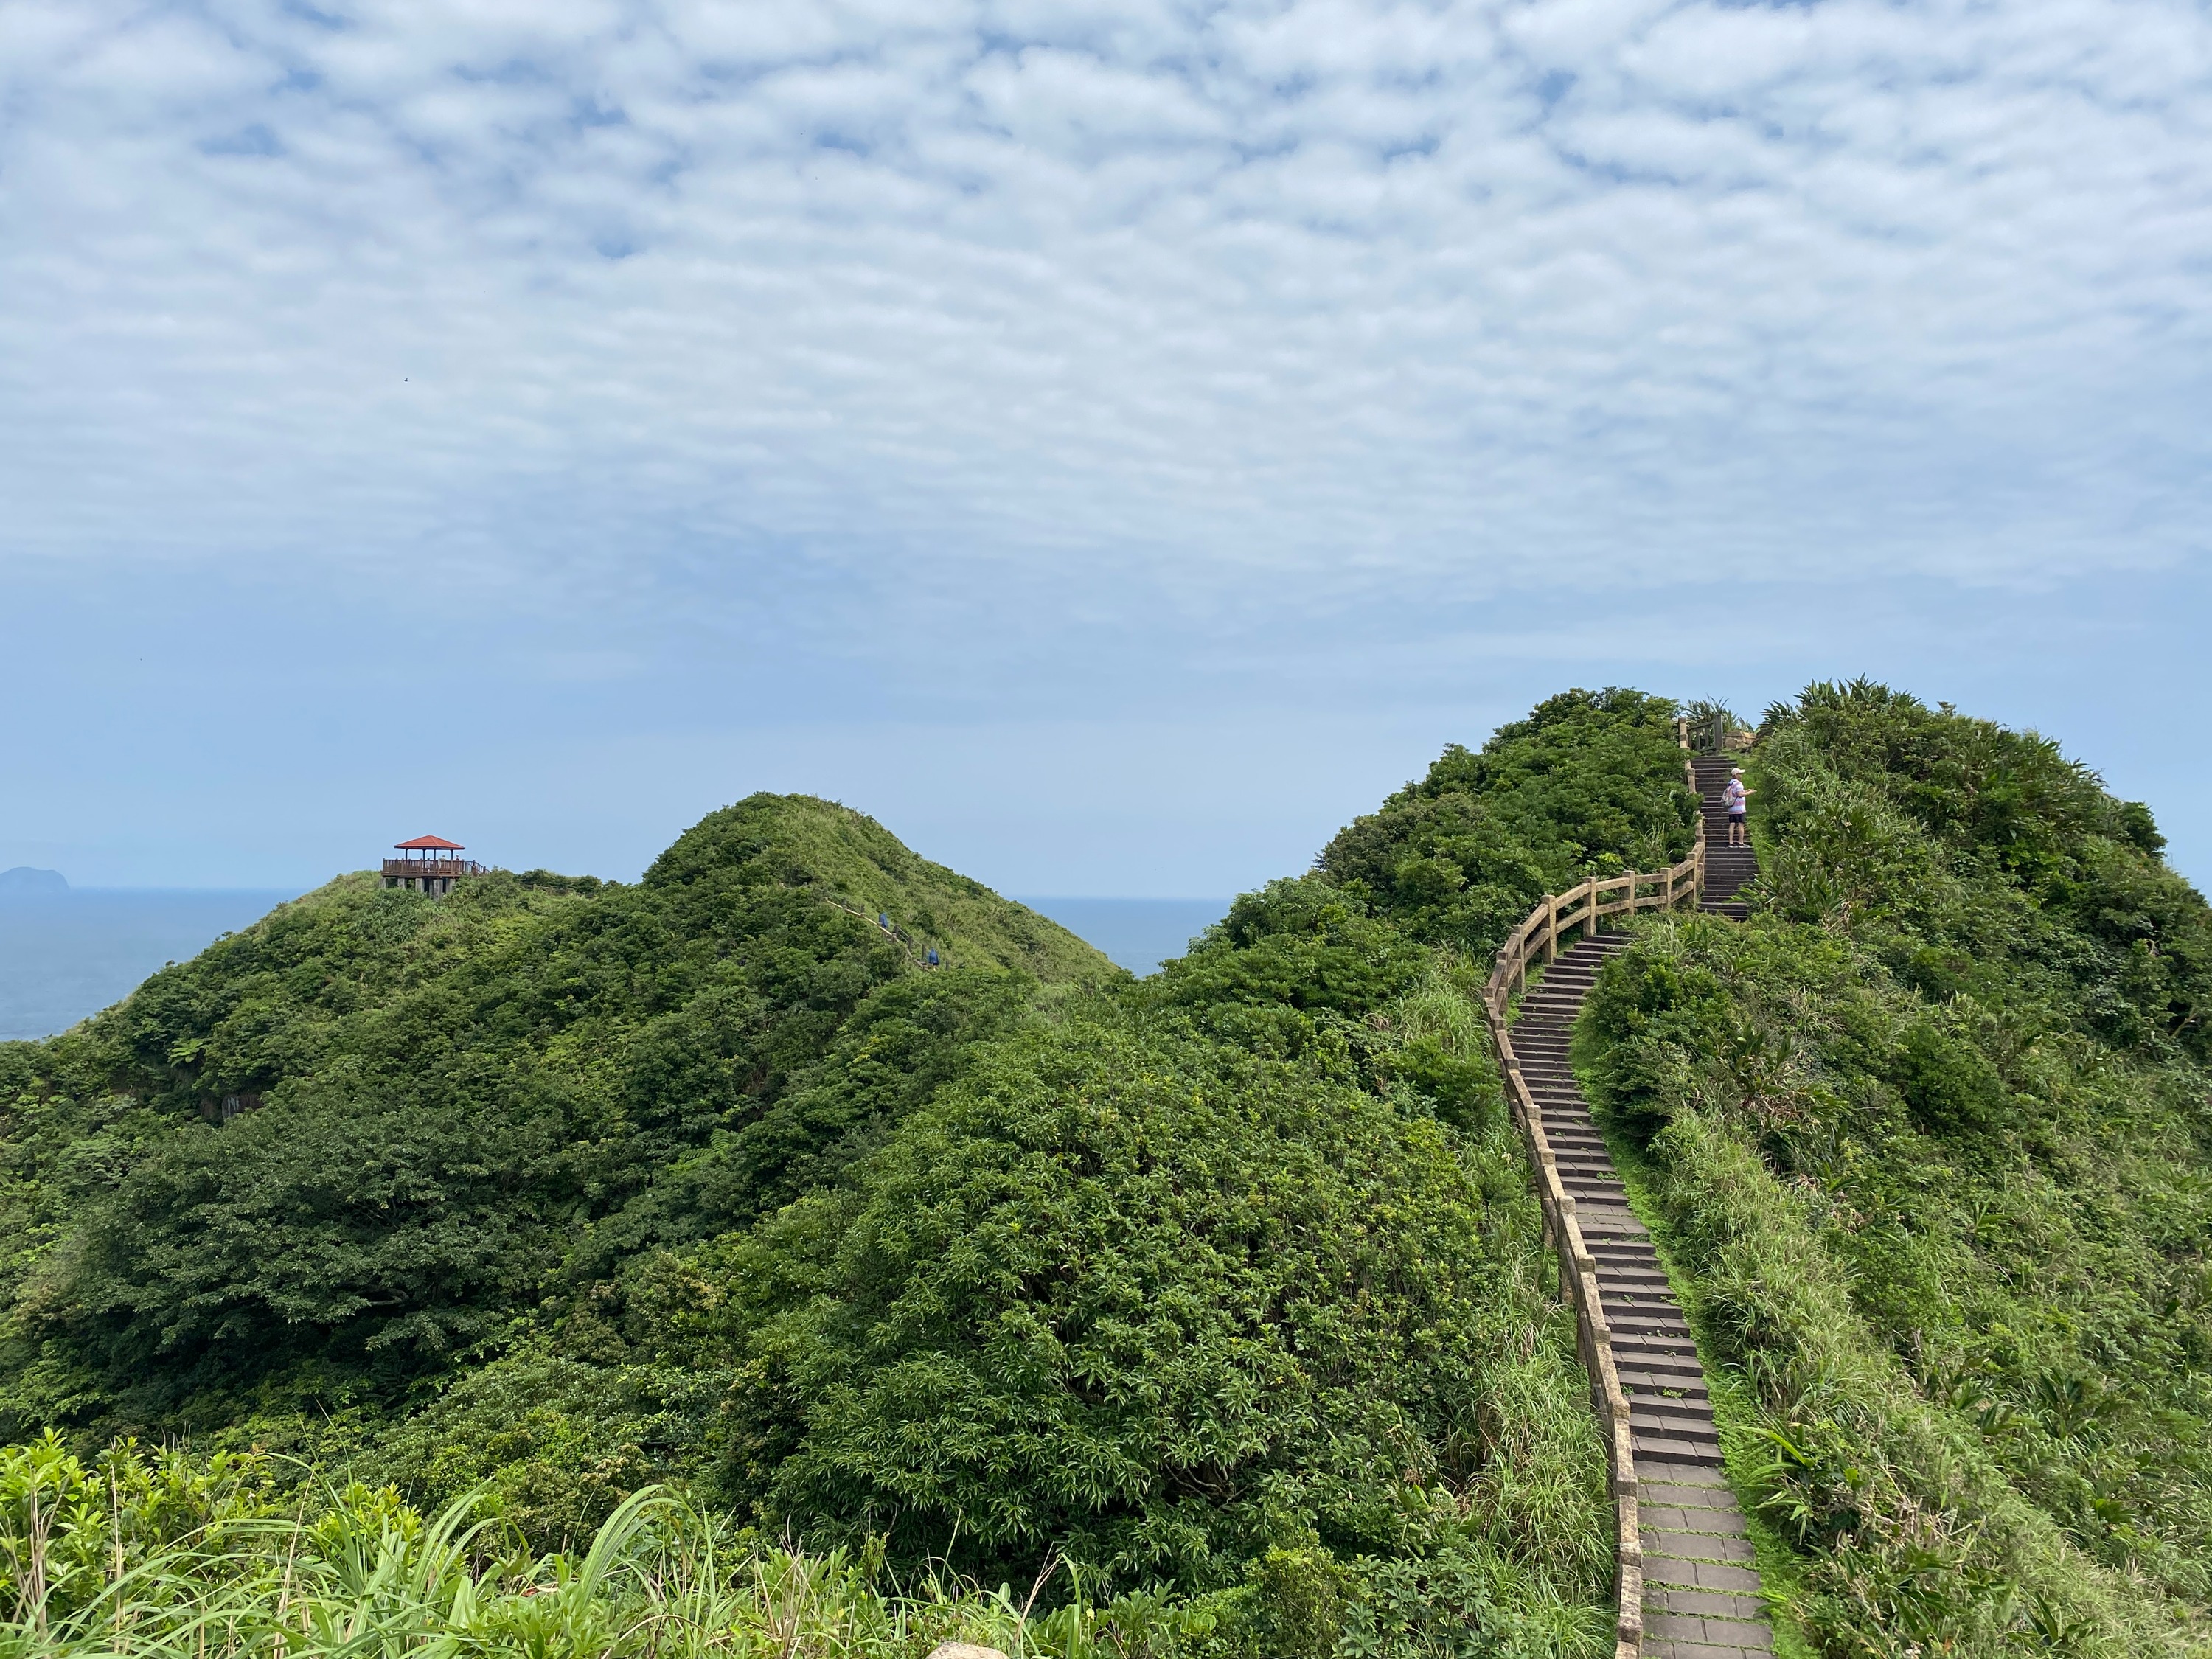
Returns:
<point x="1227" y="1287"/>
<point x="802" y="842"/>
<point x="343" y="1147"/>
<point x="1225" y="1290"/>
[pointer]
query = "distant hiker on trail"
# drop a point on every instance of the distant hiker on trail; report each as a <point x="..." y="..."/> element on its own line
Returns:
<point x="1733" y="797"/>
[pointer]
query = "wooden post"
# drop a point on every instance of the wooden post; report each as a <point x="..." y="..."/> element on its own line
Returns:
<point x="1551" y="926"/>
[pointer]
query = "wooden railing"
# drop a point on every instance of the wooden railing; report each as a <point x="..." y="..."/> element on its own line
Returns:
<point x="432" y="867"/>
<point x="1582" y="908"/>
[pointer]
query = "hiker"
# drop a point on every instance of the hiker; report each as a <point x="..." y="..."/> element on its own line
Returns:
<point x="1733" y="799"/>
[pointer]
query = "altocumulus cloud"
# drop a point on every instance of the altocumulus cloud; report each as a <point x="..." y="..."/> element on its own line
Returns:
<point x="614" y="294"/>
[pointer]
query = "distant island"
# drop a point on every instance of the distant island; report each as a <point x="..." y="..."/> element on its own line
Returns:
<point x="23" y="882"/>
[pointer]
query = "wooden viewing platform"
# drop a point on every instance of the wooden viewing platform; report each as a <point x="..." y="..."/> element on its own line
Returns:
<point x="428" y="864"/>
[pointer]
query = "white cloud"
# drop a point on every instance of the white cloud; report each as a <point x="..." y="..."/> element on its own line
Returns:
<point x="1155" y="296"/>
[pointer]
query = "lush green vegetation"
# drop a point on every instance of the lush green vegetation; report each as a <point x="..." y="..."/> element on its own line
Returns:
<point x="161" y="1555"/>
<point x="1590" y="784"/>
<point x="470" y="1108"/>
<point x="1932" y="1135"/>
<point x="1225" y="1289"/>
<point x="691" y="1263"/>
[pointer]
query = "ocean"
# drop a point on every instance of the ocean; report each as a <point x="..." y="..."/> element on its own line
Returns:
<point x="1139" y="933"/>
<point x="64" y="955"/>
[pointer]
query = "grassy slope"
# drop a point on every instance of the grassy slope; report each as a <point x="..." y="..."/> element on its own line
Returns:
<point x="1930" y="1134"/>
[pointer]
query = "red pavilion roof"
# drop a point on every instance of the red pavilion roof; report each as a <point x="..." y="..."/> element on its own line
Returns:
<point x="428" y="844"/>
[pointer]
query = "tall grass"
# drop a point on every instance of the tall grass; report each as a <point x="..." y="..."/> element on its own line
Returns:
<point x="156" y="1556"/>
<point x="1903" y="1474"/>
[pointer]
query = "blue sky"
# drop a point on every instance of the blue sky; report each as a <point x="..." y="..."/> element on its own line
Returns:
<point x="1114" y="445"/>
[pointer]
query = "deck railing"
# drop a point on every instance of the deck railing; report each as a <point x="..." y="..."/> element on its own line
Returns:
<point x="433" y="867"/>
<point x="1581" y="909"/>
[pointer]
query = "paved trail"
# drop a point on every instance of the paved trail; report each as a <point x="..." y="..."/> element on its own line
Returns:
<point x="1700" y="1590"/>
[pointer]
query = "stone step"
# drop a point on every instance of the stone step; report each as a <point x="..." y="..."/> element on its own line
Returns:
<point x="1626" y="1254"/>
<point x="1653" y="1345"/>
<point x="1644" y="1388"/>
<point x="1706" y="1618"/>
<point x="1631" y="1317"/>
<point x="1660" y="1369"/>
<point x="1673" y="1448"/>
<point x="1686" y="1425"/>
<point x="1640" y="1293"/>
<point x="1636" y="1354"/>
<point x="1634" y="1255"/>
<point x="1641" y="1352"/>
<point x="1686" y="1486"/>
<point x="1670" y="1543"/>
<point x="1600" y="1184"/>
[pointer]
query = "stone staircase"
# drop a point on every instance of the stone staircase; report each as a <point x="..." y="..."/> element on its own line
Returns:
<point x="1700" y="1589"/>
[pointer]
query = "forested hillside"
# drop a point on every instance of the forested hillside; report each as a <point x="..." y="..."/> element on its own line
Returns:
<point x="1932" y="1134"/>
<point x="1226" y="1287"/>
<point x="1217" y="1298"/>
<point x="443" y="1114"/>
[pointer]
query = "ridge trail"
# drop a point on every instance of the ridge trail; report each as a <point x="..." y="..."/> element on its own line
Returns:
<point x="1700" y="1590"/>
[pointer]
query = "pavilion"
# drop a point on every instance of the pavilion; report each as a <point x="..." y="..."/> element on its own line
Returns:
<point x="429" y="864"/>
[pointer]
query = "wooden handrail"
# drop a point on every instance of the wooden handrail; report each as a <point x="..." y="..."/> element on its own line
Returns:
<point x="1584" y="906"/>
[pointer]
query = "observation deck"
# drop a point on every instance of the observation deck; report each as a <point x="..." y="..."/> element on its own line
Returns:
<point x="429" y="864"/>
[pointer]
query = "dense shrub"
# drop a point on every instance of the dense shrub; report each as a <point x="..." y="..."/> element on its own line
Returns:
<point x="1591" y="783"/>
<point x="1174" y="1308"/>
<point x="1160" y="1303"/>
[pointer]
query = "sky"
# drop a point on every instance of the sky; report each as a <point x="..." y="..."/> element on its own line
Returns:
<point x="1113" y="446"/>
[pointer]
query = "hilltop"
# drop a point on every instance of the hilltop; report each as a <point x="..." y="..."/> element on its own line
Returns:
<point x="356" y="1138"/>
<point x="801" y="842"/>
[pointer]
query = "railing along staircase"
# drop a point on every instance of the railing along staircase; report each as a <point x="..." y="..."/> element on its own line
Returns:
<point x="1684" y="1583"/>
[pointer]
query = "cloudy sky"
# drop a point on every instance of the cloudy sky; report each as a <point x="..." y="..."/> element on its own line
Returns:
<point x="1113" y="445"/>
